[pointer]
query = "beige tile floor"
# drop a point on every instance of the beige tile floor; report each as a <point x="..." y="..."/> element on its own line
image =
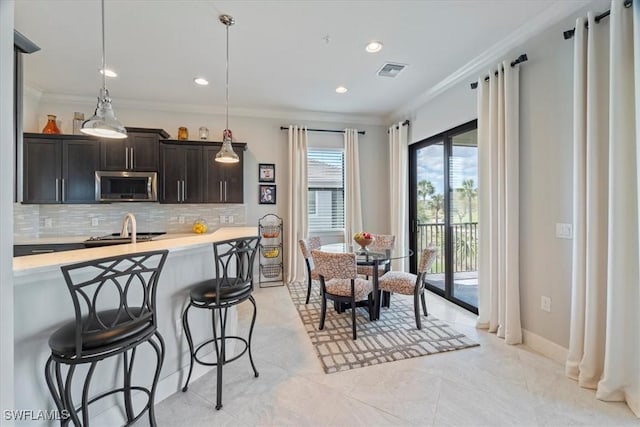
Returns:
<point x="490" y="385"/>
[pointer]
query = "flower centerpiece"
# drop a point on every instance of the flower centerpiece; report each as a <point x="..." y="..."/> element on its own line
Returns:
<point x="363" y="239"/>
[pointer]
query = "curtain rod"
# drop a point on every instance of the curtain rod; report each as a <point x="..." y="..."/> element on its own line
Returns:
<point x="570" y="33"/>
<point x="361" y="132"/>
<point x="405" y="123"/>
<point x="520" y="59"/>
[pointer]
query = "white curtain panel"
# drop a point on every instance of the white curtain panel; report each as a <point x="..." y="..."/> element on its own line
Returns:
<point x="604" y="347"/>
<point x="398" y="188"/>
<point x="297" y="194"/>
<point x="352" y="202"/>
<point x="498" y="204"/>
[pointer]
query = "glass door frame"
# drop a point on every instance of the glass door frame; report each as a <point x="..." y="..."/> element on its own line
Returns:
<point x="446" y="138"/>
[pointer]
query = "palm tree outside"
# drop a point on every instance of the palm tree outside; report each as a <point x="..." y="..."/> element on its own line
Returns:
<point x="469" y="192"/>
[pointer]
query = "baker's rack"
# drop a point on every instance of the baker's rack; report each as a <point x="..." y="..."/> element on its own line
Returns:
<point x="270" y="256"/>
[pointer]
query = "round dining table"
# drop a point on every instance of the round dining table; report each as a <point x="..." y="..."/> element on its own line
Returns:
<point x="370" y="257"/>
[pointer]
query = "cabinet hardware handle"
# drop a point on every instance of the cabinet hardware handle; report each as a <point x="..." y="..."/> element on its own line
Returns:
<point x="57" y="190"/>
<point x="126" y="157"/>
<point x="178" y="182"/>
<point x="62" y="190"/>
<point x="220" y="190"/>
<point x="184" y="191"/>
<point x="42" y="251"/>
<point x="133" y="161"/>
<point x="225" y="191"/>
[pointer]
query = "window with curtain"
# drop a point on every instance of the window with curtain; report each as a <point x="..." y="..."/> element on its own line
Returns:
<point x="325" y="170"/>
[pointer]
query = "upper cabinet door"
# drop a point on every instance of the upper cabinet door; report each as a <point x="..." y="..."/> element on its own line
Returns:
<point x="114" y="155"/>
<point x="223" y="181"/>
<point x="143" y="151"/>
<point x="80" y="160"/>
<point x="42" y="170"/>
<point x="171" y="173"/>
<point x="139" y="152"/>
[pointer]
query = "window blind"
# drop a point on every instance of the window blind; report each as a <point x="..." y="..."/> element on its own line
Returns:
<point x="325" y="169"/>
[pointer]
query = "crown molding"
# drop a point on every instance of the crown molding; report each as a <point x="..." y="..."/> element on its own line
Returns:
<point x="487" y="59"/>
<point x="270" y="113"/>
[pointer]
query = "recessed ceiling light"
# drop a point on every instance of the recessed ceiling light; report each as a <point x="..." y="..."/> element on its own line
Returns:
<point x="341" y="89"/>
<point x="109" y="73"/>
<point x="201" y="81"/>
<point x="374" y="47"/>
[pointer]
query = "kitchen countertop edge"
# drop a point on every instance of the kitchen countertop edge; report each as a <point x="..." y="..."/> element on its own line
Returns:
<point x="52" y="261"/>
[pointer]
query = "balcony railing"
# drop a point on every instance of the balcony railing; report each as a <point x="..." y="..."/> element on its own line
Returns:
<point x="465" y="245"/>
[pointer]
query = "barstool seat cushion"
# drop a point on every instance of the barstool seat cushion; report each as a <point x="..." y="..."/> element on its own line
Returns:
<point x="205" y="292"/>
<point x="63" y="340"/>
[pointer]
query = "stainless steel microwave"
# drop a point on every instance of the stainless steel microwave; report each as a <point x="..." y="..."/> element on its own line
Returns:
<point x="126" y="186"/>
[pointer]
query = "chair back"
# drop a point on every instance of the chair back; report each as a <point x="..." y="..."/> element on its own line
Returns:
<point x="113" y="293"/>
<point x="309" y="244"/>
<point x="335" y="265"/>
<point x="427" y="257"/>
<point x="383" y="242"/>
<point x="234" y="259"/>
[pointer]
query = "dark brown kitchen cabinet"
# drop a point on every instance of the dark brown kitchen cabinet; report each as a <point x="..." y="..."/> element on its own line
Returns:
<point x="180" y="173"/>
<point x="223" y="181"/>
<point x="59" y="168"/>
<point x="138" y="152"/>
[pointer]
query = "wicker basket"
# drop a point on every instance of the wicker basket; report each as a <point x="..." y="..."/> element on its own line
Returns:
<point x="271" y="271"/>
<point x="270" y="231"/>
<point x="270" y="251"/>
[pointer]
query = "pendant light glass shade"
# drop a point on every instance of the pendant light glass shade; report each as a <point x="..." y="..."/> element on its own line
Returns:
<point x="104" y="122"/>
<point x="226" y="153"/>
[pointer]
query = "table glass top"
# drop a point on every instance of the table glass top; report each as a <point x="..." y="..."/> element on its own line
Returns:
<point x="370" y="254"/>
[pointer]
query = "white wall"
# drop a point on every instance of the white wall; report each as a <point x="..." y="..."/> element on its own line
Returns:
<point x="266" y="143"/>
<point x="545" y="172"/>
<point x="6" y="201"/>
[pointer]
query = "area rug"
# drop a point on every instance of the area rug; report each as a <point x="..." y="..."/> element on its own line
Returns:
<point x="393" y="337"/>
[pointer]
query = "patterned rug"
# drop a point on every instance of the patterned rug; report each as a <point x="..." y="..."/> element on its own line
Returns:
<point x="393" y="337"/>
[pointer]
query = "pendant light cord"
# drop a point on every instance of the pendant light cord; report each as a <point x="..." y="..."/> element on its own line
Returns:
<point x="104" y="59"/>
<point x="227" y="123"/>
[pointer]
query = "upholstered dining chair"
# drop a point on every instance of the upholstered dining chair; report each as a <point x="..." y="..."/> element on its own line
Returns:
<point x="411" y="284"/>
<point x="339" y="282"/>
<point x="381" y="242"/>
<point x="306" y="246"/>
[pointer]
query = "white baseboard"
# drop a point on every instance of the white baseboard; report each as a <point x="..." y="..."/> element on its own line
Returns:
<point x="544" y="346"/>
<point x="166" y="387"/>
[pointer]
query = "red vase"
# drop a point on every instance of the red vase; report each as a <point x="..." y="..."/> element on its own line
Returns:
<point x="51" y="127"/>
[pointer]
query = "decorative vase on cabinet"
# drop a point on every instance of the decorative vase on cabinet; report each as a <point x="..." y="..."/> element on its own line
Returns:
<point x="51" y="127"/>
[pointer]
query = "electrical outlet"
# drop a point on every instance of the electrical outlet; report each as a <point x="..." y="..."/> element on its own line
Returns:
<point x="545" y="304"/>
<point x="180" y="219"/>
<point x="223" y="219"/>
<point x="564" y="231"/>
<point x="94" y="221"/>
<point x="47" y="222"/>
<point x="230" y="219"/>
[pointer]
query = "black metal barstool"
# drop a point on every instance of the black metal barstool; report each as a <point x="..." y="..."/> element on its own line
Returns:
<point x="129" y="282"/>
<point x="233" y="284"/>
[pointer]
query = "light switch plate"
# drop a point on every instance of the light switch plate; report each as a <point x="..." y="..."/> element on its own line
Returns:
<point x="180" y="219"/>
<point x="94" y="221"/>
<point x="545" y="304"/>
<point x="564" y="231"/>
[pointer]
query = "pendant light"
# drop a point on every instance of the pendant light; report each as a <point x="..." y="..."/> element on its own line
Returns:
<point x="104" y="122"/>
<point x="226" y="153"/>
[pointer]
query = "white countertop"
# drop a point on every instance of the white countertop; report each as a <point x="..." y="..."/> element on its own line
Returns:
<point x="37" y="263"/>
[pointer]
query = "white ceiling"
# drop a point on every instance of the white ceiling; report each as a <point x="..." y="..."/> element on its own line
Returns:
<point x="279" y="58"/>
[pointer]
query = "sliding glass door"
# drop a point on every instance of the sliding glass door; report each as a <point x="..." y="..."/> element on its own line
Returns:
<point x="444" y="211"/>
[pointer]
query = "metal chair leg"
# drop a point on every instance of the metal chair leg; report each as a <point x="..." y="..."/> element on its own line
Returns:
<point x="220" y="362"/>
<point x="127" y="366"/>
<point x="187" y="330"/>
<point x="308" y="288"/>
<point x="253" y="322"/>
<point x="353" y="316"/>
<point x="68" y="400"/>
<point x="323" y="311"/>
<point x="424" y="303"/>
<point x="52" y="389"/>
<point x="160" y="361"/>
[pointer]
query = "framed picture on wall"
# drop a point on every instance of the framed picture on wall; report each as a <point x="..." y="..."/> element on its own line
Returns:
<point x="267" y="194"/>
<point x="267" y="172"/>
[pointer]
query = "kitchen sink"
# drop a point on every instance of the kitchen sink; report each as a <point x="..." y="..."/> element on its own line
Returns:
<point x="115" y="239"/>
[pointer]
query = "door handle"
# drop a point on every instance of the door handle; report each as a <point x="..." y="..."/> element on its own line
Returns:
<point x="133" y="162"/>
<point x="184" y="191"/>
<point x="62" y="185"/>
<point x="57" y="190"/>
<point x="220" y="190"/>
<point x="178" y="182"/>
<point x="126" y="157"/>
<point x="225" y="191"/>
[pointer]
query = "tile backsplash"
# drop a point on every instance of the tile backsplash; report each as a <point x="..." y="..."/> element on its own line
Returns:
<point x="32" y="221"/>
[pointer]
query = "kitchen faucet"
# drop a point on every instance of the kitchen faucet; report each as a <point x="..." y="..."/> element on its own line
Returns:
<point x="129" y="218"/>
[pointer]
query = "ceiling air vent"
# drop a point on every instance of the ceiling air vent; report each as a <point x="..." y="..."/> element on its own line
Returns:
<point x="390" y="69"/>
